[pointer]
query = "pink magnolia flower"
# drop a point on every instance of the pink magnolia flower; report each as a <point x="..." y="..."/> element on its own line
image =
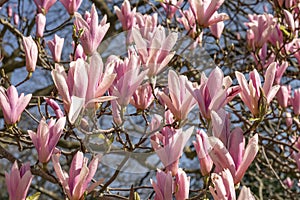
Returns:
<point x="129" y="77"/>
<point x="283" y="95"/>
<point x="242" y="157"/>
<point x="75" y="184"/>
<point x="9" y="10"/>
<point x="205" y="12"/>
<point x="295" y="101"/>
<point x="92" y="32"/>
<point x="146" y="25"/>
<point x="84" y="85"/>
<point x="44" y="5"/>
<point x="236" y="159"/>
<point x="213" y="92"/>
<point x="55" y="45"/>
<point x="245" y="193"/>
<point x="71" y="5"/>
<point x="40" y="21"/>
<point x="47" y="137"/>
<point x="171" y="6"/>
<point x="164" y="186"/>
<point x="55" y="107"/>
<point x="18" y="181"/>
<point x="155" y="53"/>
<point x="182" y="185"/>
<point x="289" y="20"/>
<point x="126" y="15"/>
<point x="12" y="106"/>
<point x="169" y="144"/>
<point x="202" y="147"/>
<point x="31" y="53"/>
<point x="223" y="186"/>
<point x="217" y="29"/>
<point x="189" y="22"/>
<point x="280" y="69"/>
<point x="180" y="102"/>
<point x="260" y="29"/>
<point x="252" y="92"/>
<point x="142" y="97"/>
<point x="289" y="182"/>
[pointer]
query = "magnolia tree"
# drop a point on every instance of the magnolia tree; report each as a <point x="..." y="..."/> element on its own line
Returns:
<point x="161" y="100"/>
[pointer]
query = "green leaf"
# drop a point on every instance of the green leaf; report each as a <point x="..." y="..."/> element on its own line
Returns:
<point x="35" y="196"/>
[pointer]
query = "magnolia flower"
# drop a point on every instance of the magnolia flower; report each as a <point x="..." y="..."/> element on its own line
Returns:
<point x="260" y="29"/>
<point x="92" y="32"/>
<point x="44" y="5"/>
<point x="182" y="185"/>
<point x="84" y="85"/>
<point x="146" y="25"/>
<point x="205" y="11"/>
<point x="202" y="147"/>
<point x="31" y="53"/>
<point x="142" y="97"/>
<point x="126" y="15"/>
<point x="223" y="186"/>
<point x="12" y="106"/>
<point x="75" y="184"/>
<point x="283" y="95"/>
<point x="180" y="102"/>
<point x="245" y="193"/>
<point x="236" y="159"/>
<point x="18" y="181"/>
<point x="171" y="6"/>
<point x="217" y="29"/>
<point x="55" y="45"/>
<point x="155" y="53"/>
<point x="40" y="21"/>
<point x="163" y="186"/>
<point x="252" y="93"/>
<point x="169" y="144"/>
<point x="71" y="5"/>
<point x="213" y="92"/>
<point x="47" y="137"/>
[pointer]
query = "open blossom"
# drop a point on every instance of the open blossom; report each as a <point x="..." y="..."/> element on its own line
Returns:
<point x="155" y="53"/>
<point x="18" y="181"/>
<point x="260" y="29"/>
<point x="12" y="106"/>
<point x="180" y="102"/>
<point x="169" y="144"/>
<point x="236" y="159"/>
<point x="213" y="92"/>
<point x="252" y="92"/>
<point x="84" y="85"/>
<point x="44" y="5"/>
<point x="126" y="15"/>
<point x="163" y="186"/>
<point x="31" y="53"/>
<point x="47" y="137"/>
<point x="205" y="11"/>
<point x="71" y="5"/>
<point x="55" y="45"/>
<point x="93" y="33"/>
<point x="75" y="184"/>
